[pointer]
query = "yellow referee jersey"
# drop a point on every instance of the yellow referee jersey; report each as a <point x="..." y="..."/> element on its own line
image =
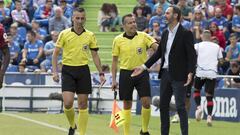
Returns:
<point x="132" y="52"/>
<point x="76" y="48"/>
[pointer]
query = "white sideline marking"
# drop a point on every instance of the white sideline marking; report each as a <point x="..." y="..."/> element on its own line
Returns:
<point x="37" y="122"/>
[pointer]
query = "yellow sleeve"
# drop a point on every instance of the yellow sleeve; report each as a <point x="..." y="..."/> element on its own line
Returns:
<point x="115" y="48"/>
<point x="60" y="41"/>
<point x="149" y="40"/>
<point x="93" y="43"/>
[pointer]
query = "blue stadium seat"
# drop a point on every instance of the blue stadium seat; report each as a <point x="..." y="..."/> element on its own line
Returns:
<point x="12" y="68"/>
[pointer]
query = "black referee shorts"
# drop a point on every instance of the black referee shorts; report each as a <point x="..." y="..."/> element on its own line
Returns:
<point x="209" y="84"/>
<point x="127" y="84"/>
<point x="76" y="79"/>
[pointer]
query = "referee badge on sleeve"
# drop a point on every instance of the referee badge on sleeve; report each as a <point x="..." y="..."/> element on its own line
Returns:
<point x="139" y="50"/>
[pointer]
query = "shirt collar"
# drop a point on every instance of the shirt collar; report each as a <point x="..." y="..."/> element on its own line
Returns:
<point x="129" y="37"/>
<point x="174" y="31"/>
<point x="72" y="30"/>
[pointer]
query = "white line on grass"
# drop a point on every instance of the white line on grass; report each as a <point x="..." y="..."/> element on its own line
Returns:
<point x="37" y="122"/>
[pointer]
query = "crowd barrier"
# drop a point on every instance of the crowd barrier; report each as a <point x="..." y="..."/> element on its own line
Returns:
<point x="36" y="98"/>
<point x="226" y="100"/>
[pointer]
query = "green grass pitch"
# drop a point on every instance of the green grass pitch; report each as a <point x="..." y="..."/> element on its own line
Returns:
<point x="98" y="125"/>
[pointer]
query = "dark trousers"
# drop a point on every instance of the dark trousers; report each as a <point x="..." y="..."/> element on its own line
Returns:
<point x="168" y="88"/>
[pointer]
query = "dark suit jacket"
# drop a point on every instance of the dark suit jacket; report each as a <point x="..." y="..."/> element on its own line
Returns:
<point x="182" y="56"/>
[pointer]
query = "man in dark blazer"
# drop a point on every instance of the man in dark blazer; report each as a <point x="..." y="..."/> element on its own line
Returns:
<point x="178" y="61"/>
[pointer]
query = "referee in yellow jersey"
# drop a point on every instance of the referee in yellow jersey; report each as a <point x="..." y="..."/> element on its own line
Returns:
<point x="130" y="48"/>
<point x="76" y="43"/>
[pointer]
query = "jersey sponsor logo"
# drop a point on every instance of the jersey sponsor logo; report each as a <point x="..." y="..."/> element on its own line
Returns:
<point x="139" y="50"/>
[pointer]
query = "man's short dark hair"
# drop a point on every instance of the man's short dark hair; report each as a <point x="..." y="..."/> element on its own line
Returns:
<point x="176" y="10"/>
<point x="32" y="33"/>
<point x="79" y="9"/>
<point x="125" y="16"/>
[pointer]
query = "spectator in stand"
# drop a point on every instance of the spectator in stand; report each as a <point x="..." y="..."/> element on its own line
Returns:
<point x="185" y="9"/>
<point x="163" y="3"/>
<point x="20" y="16"/>
<point x="66" y="8"/>
<point x="141" y="21"/>
<point x="21" y="68"/>
<point x="236" y="21"/>
<point x="104" y="18"/>
<point x="196" y="3"/>
<point x="5" y="18"/>
<point x="74" y="3"/>
<point x="198" y="24"/>
<point x="199" y="18"/>
<point x="233" y="71"/>
<point x="9" y="4"/>
<point x="25" y="3"/>
<point x="43" y="13"/>
<point x="220" y="20"/>
<point x="206" y="8"/>
<point x="146" y="10"/>
<point x="33" y="50"/>
<point x="15" y="36"/>
<point x="38" y="3"/>
<point x="227" y="10"/>
<point x="58" y="22"/>
<point x="218" y="33"/>
<point x="116" y="19"/>
<point x="108" y="76"/>
<point x="28" y="5"/>
<point x="233" y="50"/>
<point x="41" y="32"/>
<point x="159" y="17"/>
<point x="185" y="23"/>
<point x="48" y="51"/>
<point x="14" y="49"/>
<point x="151" y="3"/>
<point x="156" y="33"/>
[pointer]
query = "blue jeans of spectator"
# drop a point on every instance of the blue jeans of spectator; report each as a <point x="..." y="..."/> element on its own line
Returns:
<point x="168" y="88"/>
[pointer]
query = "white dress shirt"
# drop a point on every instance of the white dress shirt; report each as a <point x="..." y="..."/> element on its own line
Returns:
<point x="171" y="36"/>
